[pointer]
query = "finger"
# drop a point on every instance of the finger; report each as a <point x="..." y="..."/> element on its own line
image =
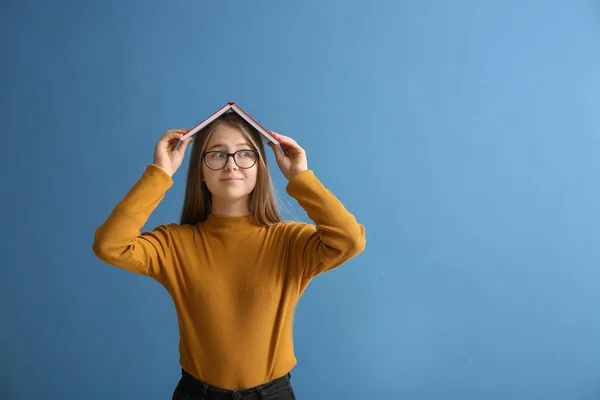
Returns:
<point x="171" y="132"/>
<point x="286" y="140"/>
<point x="171" y="135"/>
<point x="290" y="147"/>
<point x="279" y="136"/>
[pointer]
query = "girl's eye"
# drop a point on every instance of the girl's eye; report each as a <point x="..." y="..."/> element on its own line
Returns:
<point x="217" y="155"/>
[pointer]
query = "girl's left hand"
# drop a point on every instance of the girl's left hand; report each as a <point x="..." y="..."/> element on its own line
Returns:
<point x="290" y="157"/>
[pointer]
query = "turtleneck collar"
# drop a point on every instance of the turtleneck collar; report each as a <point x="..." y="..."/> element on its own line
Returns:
<point x="227" y="222"/>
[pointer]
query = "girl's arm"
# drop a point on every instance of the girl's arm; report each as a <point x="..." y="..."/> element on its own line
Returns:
<point x="337" y="236"/>
<point x="118" y="241"/>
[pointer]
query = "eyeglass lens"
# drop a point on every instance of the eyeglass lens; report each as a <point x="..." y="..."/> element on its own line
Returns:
<point x="242" y="158"/>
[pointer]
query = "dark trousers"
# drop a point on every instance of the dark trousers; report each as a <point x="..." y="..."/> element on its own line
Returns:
<point x="190" y="388"/>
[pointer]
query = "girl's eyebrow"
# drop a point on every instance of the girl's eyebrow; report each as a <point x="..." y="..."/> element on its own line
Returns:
<point x="221" y="145"/>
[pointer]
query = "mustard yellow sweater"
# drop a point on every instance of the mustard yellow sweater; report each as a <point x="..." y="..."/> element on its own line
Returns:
<point x="234" y="284"/>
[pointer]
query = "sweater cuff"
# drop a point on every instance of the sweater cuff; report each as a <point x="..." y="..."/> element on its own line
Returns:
<point x="158" y="176"/>
<point x="300" y="181"/>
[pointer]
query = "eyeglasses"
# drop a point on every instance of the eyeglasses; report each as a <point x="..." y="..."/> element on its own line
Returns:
<point x="218" y="159"/>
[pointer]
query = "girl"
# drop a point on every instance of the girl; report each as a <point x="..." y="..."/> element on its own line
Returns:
<point x="234" y="270"/>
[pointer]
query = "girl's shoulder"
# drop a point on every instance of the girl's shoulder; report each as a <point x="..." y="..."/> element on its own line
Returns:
<point x="174" y="229"/>
<point x="292" y="228"/>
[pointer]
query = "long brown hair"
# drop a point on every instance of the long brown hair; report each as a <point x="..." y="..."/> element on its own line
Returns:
<point x="197" y="204"/>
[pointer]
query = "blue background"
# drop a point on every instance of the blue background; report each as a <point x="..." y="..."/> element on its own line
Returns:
<point x="464" y="135"/>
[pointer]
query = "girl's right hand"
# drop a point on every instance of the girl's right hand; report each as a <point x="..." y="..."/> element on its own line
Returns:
<point x="165" y="154"/>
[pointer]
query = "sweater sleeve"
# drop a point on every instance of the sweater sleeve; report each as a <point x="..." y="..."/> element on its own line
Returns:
<point x="119" y="242"/>
<point x="337" y="236"/>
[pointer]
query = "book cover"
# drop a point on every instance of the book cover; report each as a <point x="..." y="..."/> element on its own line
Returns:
<point x="232" y="107"/>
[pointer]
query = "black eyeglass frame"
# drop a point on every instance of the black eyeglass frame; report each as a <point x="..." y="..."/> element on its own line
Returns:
<point x="232" y="155"/>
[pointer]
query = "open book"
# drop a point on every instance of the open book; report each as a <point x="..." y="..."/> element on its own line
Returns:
<point x="232" y="107"/>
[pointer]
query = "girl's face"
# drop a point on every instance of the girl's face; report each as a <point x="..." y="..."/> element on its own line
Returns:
<point x="228" y="177"/>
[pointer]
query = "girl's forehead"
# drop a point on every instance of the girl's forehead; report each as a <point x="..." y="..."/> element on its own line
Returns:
<point x="227" y="135"/>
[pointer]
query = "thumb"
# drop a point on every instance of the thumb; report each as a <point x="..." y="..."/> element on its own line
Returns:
<point x="276" y="150"/>
<point x="184" y="144"/>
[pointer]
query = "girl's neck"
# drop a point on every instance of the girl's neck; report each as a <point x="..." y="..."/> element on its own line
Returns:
<point x="230" y="223"/>
<point x="230" y="215"/>
<point x="230" y="208"/>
